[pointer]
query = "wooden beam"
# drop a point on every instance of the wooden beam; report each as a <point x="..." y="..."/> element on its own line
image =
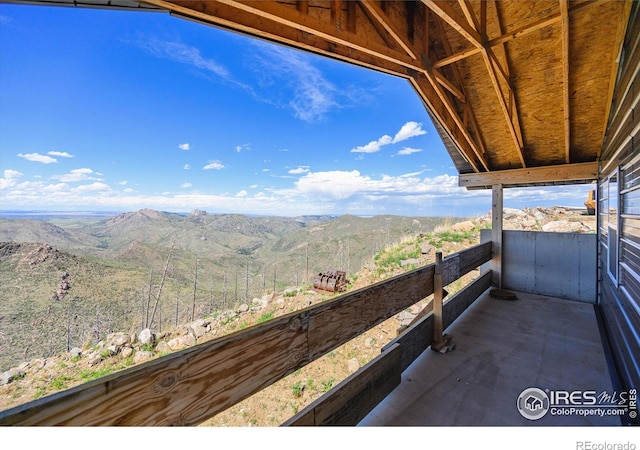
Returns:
<point x="469" y="31"/>
<point x="335" y="14"/>
<point x="513" y="114"/>
<point x="303" y="6"/>
<point x="468" y="111"/>
<point x="351" y="17"/>
<point x="456" y="118"/>
<point x="380" y="17"/>
<point x="531" y="175"/>
<point x="518" y="32"/>
<point x="564" y="13"/>
<point x="449" y="86"/>
<point x="446" y="13"/>
<point x="456" y="57"/>
<point x="285" y="24"/>
<point x="470" y="16"/>
<point x="506" y="111"/>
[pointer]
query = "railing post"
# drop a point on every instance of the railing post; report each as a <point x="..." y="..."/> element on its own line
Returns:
<point x="440" y="341"/>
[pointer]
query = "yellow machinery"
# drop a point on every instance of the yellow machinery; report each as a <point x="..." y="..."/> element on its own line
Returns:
<point x="591" y="203"/>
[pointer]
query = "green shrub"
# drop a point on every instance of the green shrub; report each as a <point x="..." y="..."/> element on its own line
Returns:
<point x="297" y="389"/>
<point x="60" y="383"/>
<point x="89" y="375"/>
<point x="265" y="317"/>
<point x="328" y="384"/>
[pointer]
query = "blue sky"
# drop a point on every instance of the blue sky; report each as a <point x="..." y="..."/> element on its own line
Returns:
<point x="118" y="111"/>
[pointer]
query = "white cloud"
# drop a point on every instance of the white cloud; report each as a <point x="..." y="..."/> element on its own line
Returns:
<point x="184" y="54"/>
<point x="341" y="185"/>
<point x="10" y="178"/>
<point x="60" y="154"/>
<point x="92" y="187"/>
<point x="408" y="151"/>
<point x="12" y="174"/>
<point x="59" y="187"/>
<point x="242" y="193"/>
<point x="217" y="165"/>
<point x="76" y="175"/>
<point x="313" y="95"/>
<point x="186" y="185"/>
<point x="243" y="147"/>
<point x="373" y="146"/>
<point x="37" y="157"/>
<point x="123" y="182"/>
<point x="298" y="170"/>
<point x="409" y="130"/>
<point x="184" y="146"/>
<point x="128" y="190"/>
<point x="335" y="184"/>
<point x="186" y="167"/>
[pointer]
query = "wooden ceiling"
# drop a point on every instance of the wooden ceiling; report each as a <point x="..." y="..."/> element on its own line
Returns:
<point x="519" y="90"/>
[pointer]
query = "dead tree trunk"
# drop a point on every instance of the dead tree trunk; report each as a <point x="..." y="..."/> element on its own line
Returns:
<point x="164" y="276"/>
<point x="195" y="287"/>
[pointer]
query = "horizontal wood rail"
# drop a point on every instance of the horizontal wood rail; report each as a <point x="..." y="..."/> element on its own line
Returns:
<point x="351" y="400"/>
<point x="192" y="385"/>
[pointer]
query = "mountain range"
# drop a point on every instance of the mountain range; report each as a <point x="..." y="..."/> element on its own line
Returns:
<point x="83" y="277"/>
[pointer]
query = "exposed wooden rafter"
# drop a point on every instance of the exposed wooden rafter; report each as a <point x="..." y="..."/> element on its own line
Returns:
<point x="469" y="30"/>
<point x="379" y="17"/>
<point x="564" y="13"/>
<point x="518" y="32"/>
<point x="444" y="10"/>
<point x="468" y="115"/>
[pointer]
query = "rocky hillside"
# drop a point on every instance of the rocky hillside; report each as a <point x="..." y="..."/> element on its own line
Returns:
<point x="43" y="376"/>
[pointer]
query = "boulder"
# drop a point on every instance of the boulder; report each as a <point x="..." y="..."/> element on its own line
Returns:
<point x="198" y="331"/>
<point x="163" y="347"/>
<point x="463" y="226"/>
<point x="181" y="342"/>
<point x="146" y="337"/>
<point x="118" y="339"/>
<point x="565" y="226"/>
<point x="10" y="376"/>
<point x="141" y="356"/>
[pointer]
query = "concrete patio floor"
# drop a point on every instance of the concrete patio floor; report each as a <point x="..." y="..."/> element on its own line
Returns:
<point x="503" y="347"/>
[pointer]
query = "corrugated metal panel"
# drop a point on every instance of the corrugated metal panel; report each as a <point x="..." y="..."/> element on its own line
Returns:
<point x="620" y="288"/>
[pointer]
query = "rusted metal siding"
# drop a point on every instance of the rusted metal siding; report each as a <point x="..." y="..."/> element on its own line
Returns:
<point x="619" y="214"/>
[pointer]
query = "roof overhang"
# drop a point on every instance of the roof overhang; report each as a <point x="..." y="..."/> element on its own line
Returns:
<point x="519" y="90"/>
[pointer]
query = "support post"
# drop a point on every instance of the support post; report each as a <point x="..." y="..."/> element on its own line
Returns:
<point x="496" y="234"/>
<point x="440" y="341"/>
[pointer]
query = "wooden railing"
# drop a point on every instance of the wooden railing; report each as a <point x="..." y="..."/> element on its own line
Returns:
<point x="192" y="385"/>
